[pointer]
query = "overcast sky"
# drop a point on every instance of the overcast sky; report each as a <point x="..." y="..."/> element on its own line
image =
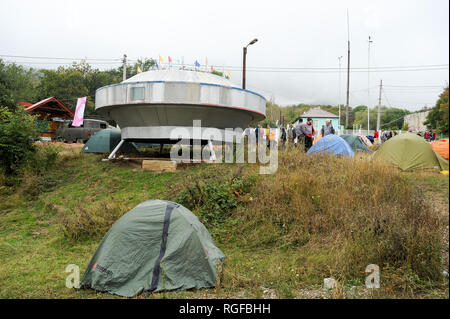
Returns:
<point x="291" y="34"/>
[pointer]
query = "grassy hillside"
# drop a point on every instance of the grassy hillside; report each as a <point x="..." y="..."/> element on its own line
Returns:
<point x="317" y="217"/>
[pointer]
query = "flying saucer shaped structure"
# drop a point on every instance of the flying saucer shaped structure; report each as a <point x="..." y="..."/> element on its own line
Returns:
<point x="150" y="105"/>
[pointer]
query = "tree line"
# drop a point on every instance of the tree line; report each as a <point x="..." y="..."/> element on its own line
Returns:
<point x="68" y="83"/>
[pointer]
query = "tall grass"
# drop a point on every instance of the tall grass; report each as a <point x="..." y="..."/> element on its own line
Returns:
<point x="363" y="212"/>
<point x="337" y="215"/>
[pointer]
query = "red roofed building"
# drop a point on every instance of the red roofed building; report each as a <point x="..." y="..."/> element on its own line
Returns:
<point x="50" y="112"/>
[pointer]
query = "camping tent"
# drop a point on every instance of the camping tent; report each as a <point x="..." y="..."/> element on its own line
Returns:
<point x="441" y="147"/>
<point x="331" y="144"/>
<point x="158" y="245"/>
<point x="355" y="143"/>
<point x="408" y="152"/>
<point x="366" y="140"/>
<point x="317" y="138"/>
<point x="104" y="141"/>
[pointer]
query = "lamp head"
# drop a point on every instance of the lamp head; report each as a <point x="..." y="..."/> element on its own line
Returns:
<point x="253" y="41"/>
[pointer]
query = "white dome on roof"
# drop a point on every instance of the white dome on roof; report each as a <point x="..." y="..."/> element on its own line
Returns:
<point x="180" y="76"/>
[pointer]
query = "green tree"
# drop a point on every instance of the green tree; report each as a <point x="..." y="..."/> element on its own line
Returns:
<point x="438" y="117"/>
<point x="392" y="118"/>
<point x="16" y="84"/>
<point x="17" y="134"/>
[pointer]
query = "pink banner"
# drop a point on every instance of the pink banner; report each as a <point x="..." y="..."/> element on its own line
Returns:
<point x="79" y="112"/>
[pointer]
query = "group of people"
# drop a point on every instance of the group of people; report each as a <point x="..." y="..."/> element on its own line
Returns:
<point x="268" y="134"/>
<point x="384" y="135"/>
<point x="429" y="135"/>
<point x="302" y="135"/>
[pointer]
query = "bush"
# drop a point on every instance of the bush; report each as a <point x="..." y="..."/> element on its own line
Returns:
<point x="95" y="220"/>
<point x="43" y="159"/>
<point x="213" y="199"/>
<point x="17" y="136"/>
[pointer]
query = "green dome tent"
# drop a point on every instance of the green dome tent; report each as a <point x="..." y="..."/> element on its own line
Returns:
<point x="409" y="152"/>
<point x="158" y="245"/>
<point x="355" y="143"/>
<point x="105" y="141"/>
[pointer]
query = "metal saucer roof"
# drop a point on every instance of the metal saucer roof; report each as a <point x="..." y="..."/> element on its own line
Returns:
<point x="180" y="76"/>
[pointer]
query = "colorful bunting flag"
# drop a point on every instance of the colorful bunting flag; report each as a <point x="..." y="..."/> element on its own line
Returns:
<point x="161" y="59"/>
<point x="197" y="64"/>
<point x="212" y="68"/>
<point x="139" y="69"/>
<point x="207" y="61"/>
<point x="170" y="60"/>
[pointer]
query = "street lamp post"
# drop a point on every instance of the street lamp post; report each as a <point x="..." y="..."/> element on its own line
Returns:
<point x="244" y="62"/>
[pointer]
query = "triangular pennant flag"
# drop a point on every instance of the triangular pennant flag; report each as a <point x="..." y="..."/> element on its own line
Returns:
<point x="139" y="69"/>
<point x="161" y="59"/>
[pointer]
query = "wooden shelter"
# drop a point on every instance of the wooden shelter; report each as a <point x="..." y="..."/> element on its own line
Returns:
<point x="51" y="114"/>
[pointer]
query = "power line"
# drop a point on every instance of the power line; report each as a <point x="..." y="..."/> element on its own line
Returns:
<point x="57" y="58"/>
<point x="254" y="68"/>
<point x="58" y="63"/>
<point x="415" y="86"/>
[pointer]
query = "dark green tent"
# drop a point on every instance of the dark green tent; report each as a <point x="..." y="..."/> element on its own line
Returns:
<point x="105" y="141"/>
<point x="158" y="245"/>
<point x="355" y="143"/>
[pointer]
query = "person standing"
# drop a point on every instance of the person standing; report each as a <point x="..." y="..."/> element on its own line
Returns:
<point x="258" y="134"/>
<point x="375" y="135"/>
<point x="291" y="135"/>
<point x="308" y="132"/>
<point x="327" y="129"/>
<point x="283" y="137"/>
<point x="299" y="133"/>
<point x="267" y="135"/>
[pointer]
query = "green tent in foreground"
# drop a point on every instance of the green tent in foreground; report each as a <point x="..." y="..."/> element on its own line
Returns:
<point x="355" y="143"/>
<point x="158" y="245"/>
<point x="409" y="152"/>
<point x="105" y="141"/>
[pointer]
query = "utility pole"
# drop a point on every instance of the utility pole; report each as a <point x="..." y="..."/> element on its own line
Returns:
<point x="339" y="96"/>
<point x="368" y="87"/>
<point x="348" y="73"/>
<point x="124" y="61"/>
<point x="379" y="106"/>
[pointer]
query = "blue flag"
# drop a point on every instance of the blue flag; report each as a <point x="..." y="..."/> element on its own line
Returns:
<point x="197" y="64"/>
<point x="157" y="66"/>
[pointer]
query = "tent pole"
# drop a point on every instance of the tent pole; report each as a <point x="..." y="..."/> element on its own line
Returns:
<point x="113" y="153"/>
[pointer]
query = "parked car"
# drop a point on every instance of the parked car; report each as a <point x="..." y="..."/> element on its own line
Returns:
<point x="70" y="134"/>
